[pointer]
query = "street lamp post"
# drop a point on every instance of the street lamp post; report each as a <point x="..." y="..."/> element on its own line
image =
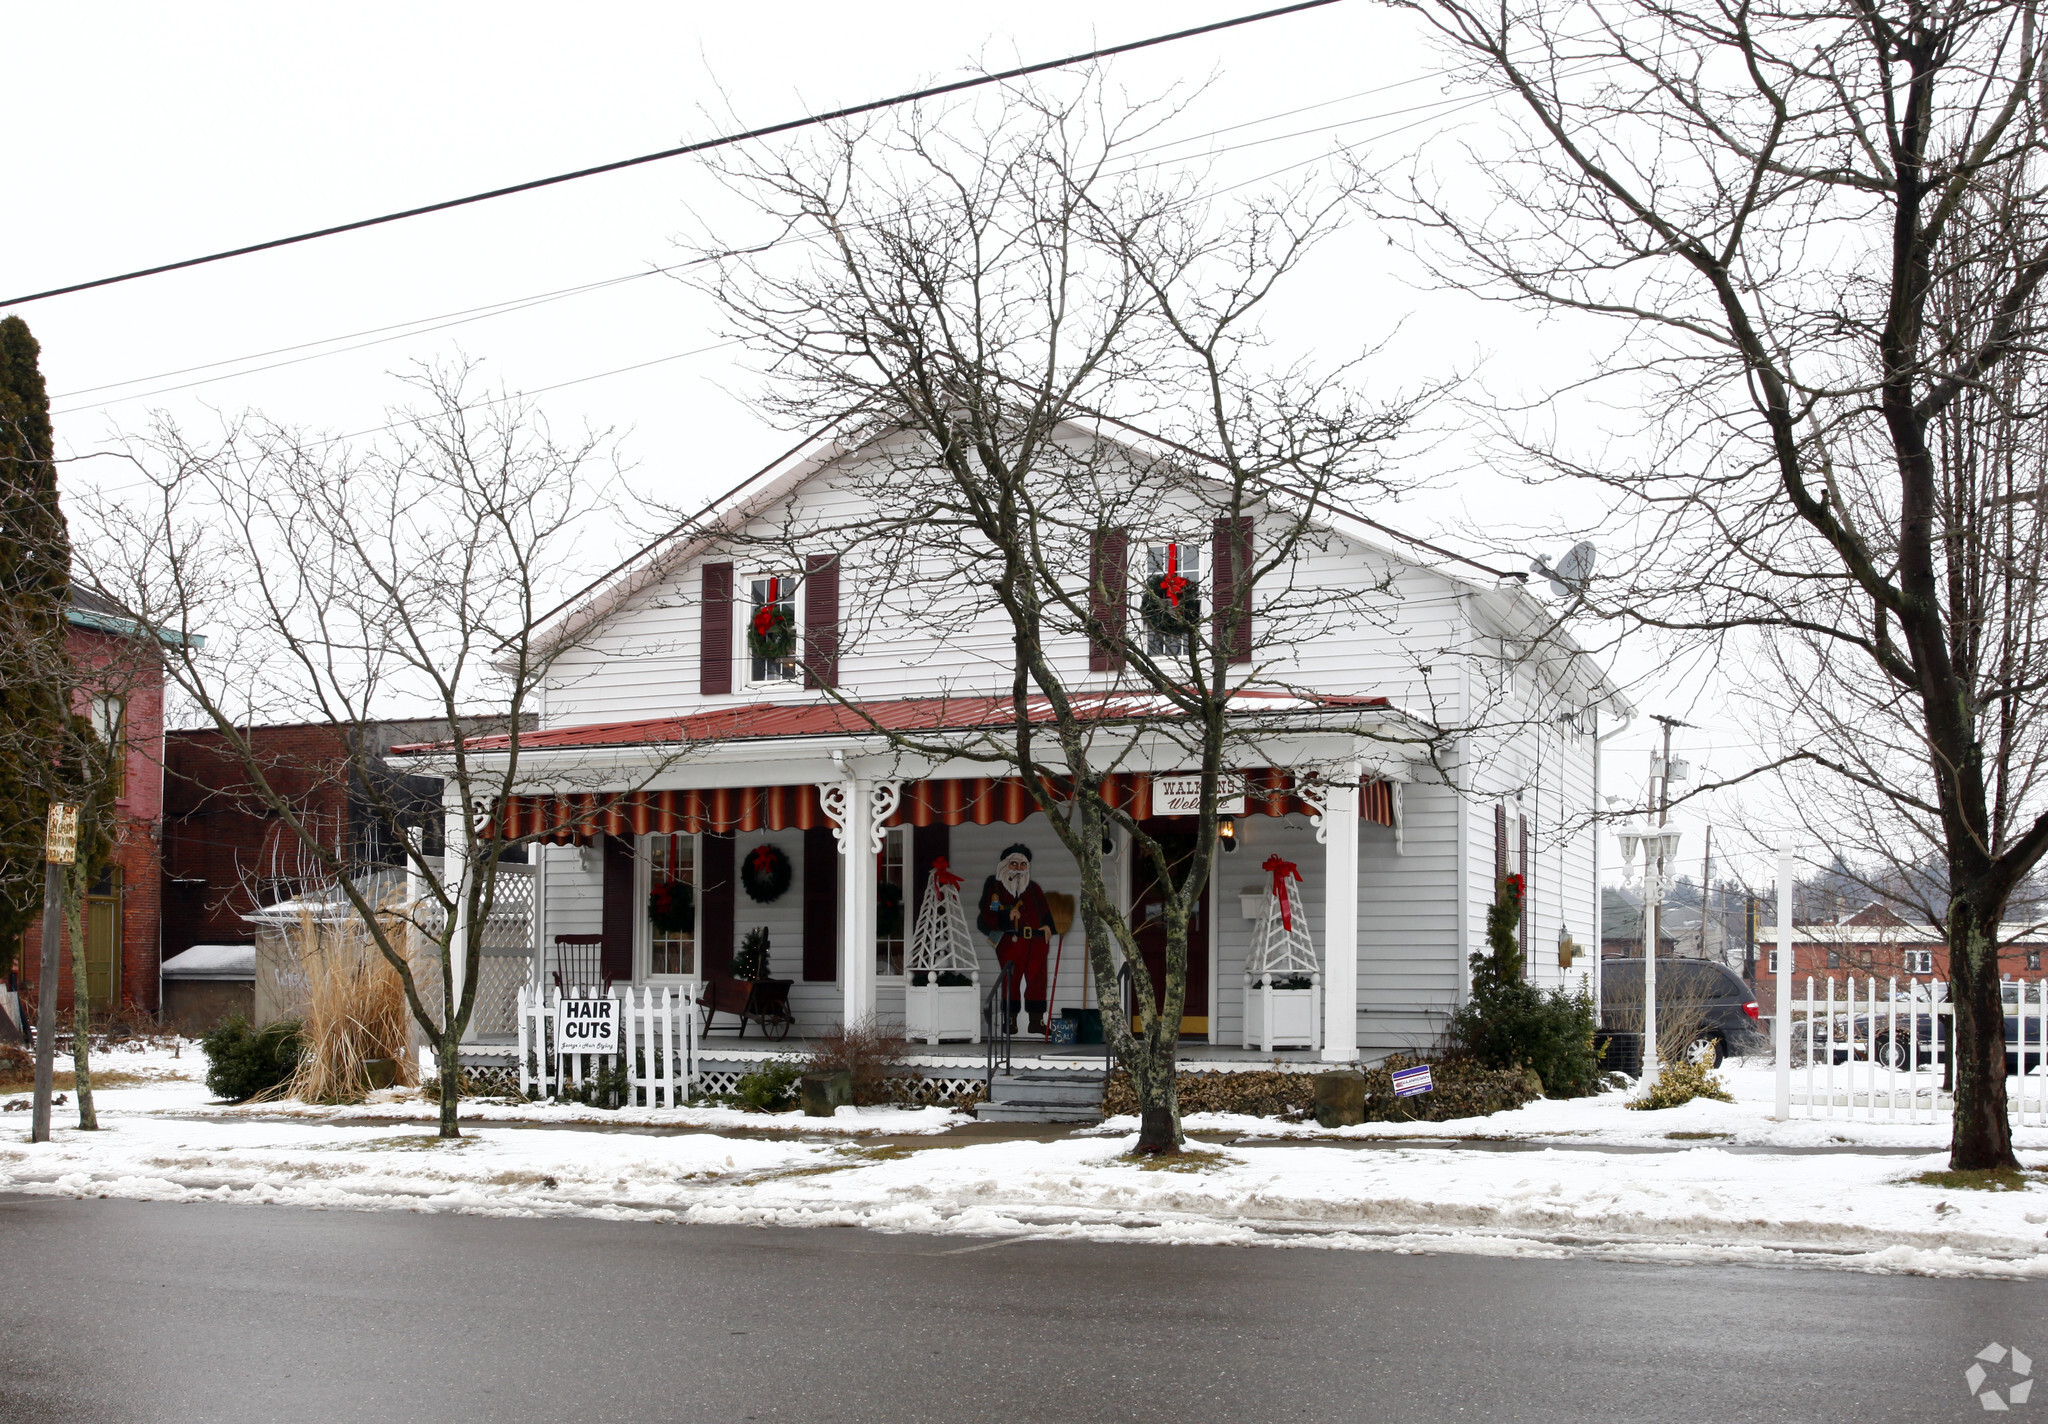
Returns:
<point x="1659" y="848"/>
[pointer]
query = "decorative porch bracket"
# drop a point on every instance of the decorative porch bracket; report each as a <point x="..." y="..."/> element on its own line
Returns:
<point x="857" y="810"/>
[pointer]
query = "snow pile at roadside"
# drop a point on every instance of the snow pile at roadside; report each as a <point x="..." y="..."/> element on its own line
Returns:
<point x="1704" y="1204"/>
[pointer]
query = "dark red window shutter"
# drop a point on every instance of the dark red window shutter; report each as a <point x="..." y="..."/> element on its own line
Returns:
<point x="1500" y="847"/>
<point x="615" y="961"/>
<point x="714" y="632"/>
<point x="1108" y="561"/>
<point x="821" y="906"/>
<point x="821" y="620"/>
<point x="714" y="893"/>
<point x="1228" y="559"/>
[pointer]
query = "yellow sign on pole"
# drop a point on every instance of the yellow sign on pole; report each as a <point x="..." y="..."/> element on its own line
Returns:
<point x="60" y="835"/>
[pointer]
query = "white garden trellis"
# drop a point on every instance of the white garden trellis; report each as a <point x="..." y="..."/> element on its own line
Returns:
<point x="1282" y="953"/>
<point x="940" y="946"/>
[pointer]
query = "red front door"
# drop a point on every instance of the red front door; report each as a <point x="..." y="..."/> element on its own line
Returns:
<point x="1177" y="836"/>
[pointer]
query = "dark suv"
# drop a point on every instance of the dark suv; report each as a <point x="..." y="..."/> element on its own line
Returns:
<point x="1714" y="1002"/>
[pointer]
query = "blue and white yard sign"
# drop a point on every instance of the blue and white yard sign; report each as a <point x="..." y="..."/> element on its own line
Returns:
<point x="1410" y="1082"/>
<point x="587" y="1026"/>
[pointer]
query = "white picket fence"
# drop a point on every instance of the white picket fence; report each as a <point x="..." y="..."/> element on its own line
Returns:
<point x="1878" y="1053"/>
<point x="658" y="1039"/>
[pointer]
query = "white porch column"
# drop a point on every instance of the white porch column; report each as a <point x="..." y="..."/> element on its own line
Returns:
<point x="1339" y="834"/>
<point x="858" y="808"/>
<point x="454" y="879"/>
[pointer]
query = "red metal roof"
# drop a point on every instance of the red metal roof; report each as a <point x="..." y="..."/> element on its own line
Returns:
<point x="767" y="720"/>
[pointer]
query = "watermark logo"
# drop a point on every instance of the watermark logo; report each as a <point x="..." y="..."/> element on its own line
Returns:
<point x="2018" y="1383"/>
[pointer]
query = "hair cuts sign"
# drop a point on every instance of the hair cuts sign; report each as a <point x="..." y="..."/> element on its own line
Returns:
<point x="1182" y="795"/>
<point x="586" y="1026"/>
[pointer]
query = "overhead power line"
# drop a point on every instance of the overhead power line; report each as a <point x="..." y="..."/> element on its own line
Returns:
<point x="682" y="150"/>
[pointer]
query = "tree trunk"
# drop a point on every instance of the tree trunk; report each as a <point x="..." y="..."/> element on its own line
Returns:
<point x="1156" y="1078"/>
<point x="81" y="1009"/>
<point x="1981" y="1137"/>
<point x="450" y="1073"/>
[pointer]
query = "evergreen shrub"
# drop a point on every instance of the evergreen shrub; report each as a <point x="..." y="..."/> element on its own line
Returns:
<point x="243" y="1061"/>
<point x="1511" y="1025"/>
<point x="773" y="1087"/>
<point x="1679" y="1083"/>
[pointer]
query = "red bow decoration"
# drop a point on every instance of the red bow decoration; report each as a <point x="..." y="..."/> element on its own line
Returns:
<point x="941" y="874"/>
<point x="1173" y="583"/>
<point x="764" y="616"/>
<point x="1281" y="870"/>
<point x="764" y="858"/>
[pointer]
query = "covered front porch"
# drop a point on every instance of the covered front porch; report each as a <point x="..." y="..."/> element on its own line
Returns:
<point x="696" y="870"/>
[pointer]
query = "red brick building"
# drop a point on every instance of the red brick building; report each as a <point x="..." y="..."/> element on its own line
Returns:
<point x="1879" y="943"/>
<point x="124" y="697"/>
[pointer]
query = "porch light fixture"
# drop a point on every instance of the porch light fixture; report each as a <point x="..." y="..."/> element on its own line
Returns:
<point x="1226" y="833"/>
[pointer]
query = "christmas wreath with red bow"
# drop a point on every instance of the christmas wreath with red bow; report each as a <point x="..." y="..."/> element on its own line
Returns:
<point x="771" y="632"/>
<point x="765" y="874"/>
<point x="1172" y="604"/>
<point x="672" y="907"/>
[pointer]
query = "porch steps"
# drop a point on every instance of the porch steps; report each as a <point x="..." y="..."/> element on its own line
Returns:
<point x="1044" y="1096"/>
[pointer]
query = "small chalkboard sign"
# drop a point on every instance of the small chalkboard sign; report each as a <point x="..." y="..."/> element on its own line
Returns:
<point x="1409" y="1082"/>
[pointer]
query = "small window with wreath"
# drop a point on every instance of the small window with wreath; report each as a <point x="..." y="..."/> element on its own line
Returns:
<point x="1170" y="599"/>
<point x="1919" y="961"/>
<point x="772" y="629"/>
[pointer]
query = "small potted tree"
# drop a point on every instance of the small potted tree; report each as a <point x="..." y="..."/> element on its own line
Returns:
<point x="1283" y="989"/>
<point x="942" y="1001"/>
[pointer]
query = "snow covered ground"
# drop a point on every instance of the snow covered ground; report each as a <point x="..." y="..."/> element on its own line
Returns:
<point x="1576" y="1180"/>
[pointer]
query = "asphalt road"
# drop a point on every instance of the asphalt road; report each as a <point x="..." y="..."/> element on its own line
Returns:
<point x="118" y="1312"/>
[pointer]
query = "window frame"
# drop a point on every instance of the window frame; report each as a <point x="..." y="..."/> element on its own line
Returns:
<point x="1919" y="961"/>
<point x="643" y="928"/>
<point x="743" y="596"/>
<point x="112" y="730"/>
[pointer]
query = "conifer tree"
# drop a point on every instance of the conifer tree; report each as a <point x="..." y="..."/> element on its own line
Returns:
<point x="35" y="561"/>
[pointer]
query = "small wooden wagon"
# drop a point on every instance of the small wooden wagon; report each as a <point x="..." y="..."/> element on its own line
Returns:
<point x="764" y="1002"/>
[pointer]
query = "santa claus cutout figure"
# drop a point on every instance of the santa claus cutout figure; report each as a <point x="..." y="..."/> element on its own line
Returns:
<point x="1018" y="923"/>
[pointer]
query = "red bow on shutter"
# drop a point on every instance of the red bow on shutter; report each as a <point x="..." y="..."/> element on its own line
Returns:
<point x="942" y="874"/>
<point x="1281" y="870"/>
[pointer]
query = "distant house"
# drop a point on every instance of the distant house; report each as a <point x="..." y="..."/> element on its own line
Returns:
<point x="124" y="698"/>
<point x="1879" y="942"/>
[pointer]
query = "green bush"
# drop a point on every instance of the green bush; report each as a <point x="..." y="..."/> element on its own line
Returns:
<point x="1463" y="1089"/>
<point x="1510" y="1025"/>
<point x="244" y="1061"/>
<point x="773" y="1087"/>
<point x="1679" y="1083"/>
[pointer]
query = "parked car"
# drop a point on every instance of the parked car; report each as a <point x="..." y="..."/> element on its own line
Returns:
<point x="1893" y="1035"/>
<point x="1714" y="1001"/>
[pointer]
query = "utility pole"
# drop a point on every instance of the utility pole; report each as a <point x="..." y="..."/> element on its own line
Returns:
<point x="1707" y="892"/>
<point x="60" y="848"/>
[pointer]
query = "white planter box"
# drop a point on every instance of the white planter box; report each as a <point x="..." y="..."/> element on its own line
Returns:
<point x="942" y="1013"/>
<point x="1283" y="1018"/>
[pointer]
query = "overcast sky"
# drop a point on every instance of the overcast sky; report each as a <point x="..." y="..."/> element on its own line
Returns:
<point x="155" y="133"/>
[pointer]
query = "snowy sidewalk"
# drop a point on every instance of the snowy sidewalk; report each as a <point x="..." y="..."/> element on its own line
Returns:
<point x="161" y="1140"/>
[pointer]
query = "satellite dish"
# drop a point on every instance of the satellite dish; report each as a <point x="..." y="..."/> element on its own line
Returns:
<point x="1573" y="572"/>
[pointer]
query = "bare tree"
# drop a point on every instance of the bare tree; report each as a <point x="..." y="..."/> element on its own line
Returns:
<point x="1820" y="228"/>
<point x="341" y="585"/>
<point x="1047" y="364"/>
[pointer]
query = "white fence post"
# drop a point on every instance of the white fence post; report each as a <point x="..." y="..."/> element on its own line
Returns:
<point x="1781" y="1030"/>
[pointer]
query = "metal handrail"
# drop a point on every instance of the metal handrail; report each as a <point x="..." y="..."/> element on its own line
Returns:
<point x="998" y="1029"/>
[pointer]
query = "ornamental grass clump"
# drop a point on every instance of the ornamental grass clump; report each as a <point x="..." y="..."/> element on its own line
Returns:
<point x="1679" y="1083"/>
<point x="873" y="1055"/>
<point x="354" y="1013"/>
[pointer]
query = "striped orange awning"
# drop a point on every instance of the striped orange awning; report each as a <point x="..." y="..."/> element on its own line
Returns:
<point x="959" y="801"/>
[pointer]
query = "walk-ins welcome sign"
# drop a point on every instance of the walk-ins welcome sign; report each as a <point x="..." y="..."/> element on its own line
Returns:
<point x="587" y="1026"/>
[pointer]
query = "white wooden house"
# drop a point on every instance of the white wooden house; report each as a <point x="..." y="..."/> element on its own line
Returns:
<point x="1399" y="833"/>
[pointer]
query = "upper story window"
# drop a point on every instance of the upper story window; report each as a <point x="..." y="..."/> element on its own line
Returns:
<point x="1919" y="961"/>
<point x="109" y="715"/>
<point x="772" y="630"/>
<point x="1170" y="599"/>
